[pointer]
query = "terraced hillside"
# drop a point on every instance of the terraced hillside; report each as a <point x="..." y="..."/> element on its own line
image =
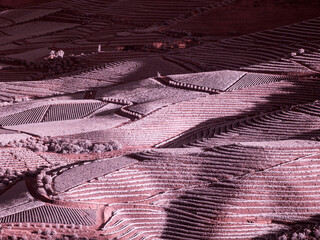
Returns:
<point x="269" y="51"/>
<point x="136" y="119"/>
<point x="295" y="122"/>
<point x="212" y="193"/>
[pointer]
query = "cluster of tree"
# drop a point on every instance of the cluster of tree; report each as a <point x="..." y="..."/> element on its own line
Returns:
<point x="75" y="236"/>
<point x="6" y="103"/>
<point x="305" y="234"/>
<point x="44" y="183"/>
<point x="64" y="145"/>
<point x="47" y="232"/>
<point x="56" y="65"/>
<point x="8" y="176"/>
<point x="14" y="100"/>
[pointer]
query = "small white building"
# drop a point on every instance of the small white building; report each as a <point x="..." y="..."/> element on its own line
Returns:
<point x="60" y="53"/>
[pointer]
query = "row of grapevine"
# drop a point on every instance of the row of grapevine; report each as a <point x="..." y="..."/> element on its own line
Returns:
<point x="47" y="113"/>
<point x="187" y="193"/>
<point x="52" y="214"/>
<point x="62" y="112"/>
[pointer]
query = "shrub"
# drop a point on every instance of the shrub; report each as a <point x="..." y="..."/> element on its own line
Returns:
<point x="47" y="232"/>
<point x="52" y="66"/>
<point x="47" y="179"/>
<point x="59" y="145"/>
<point x="48" y="189"/>
<point x="75" y="236"/>
<point x="115" y="145"/>
<point x="14" y="237"/>
<point x="41" y="191"/>
<point x="98" y="148"/>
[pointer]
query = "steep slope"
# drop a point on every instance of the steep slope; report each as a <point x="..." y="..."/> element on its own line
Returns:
<point x="212" y="194"/>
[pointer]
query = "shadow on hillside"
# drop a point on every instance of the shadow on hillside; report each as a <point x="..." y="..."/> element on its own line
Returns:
<point x="210" y="211"/>
<point x="298" y="91"/>
<point x="219" y="209"/>
<point x="186" y="220"/>
<point x="145" y="68"/>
